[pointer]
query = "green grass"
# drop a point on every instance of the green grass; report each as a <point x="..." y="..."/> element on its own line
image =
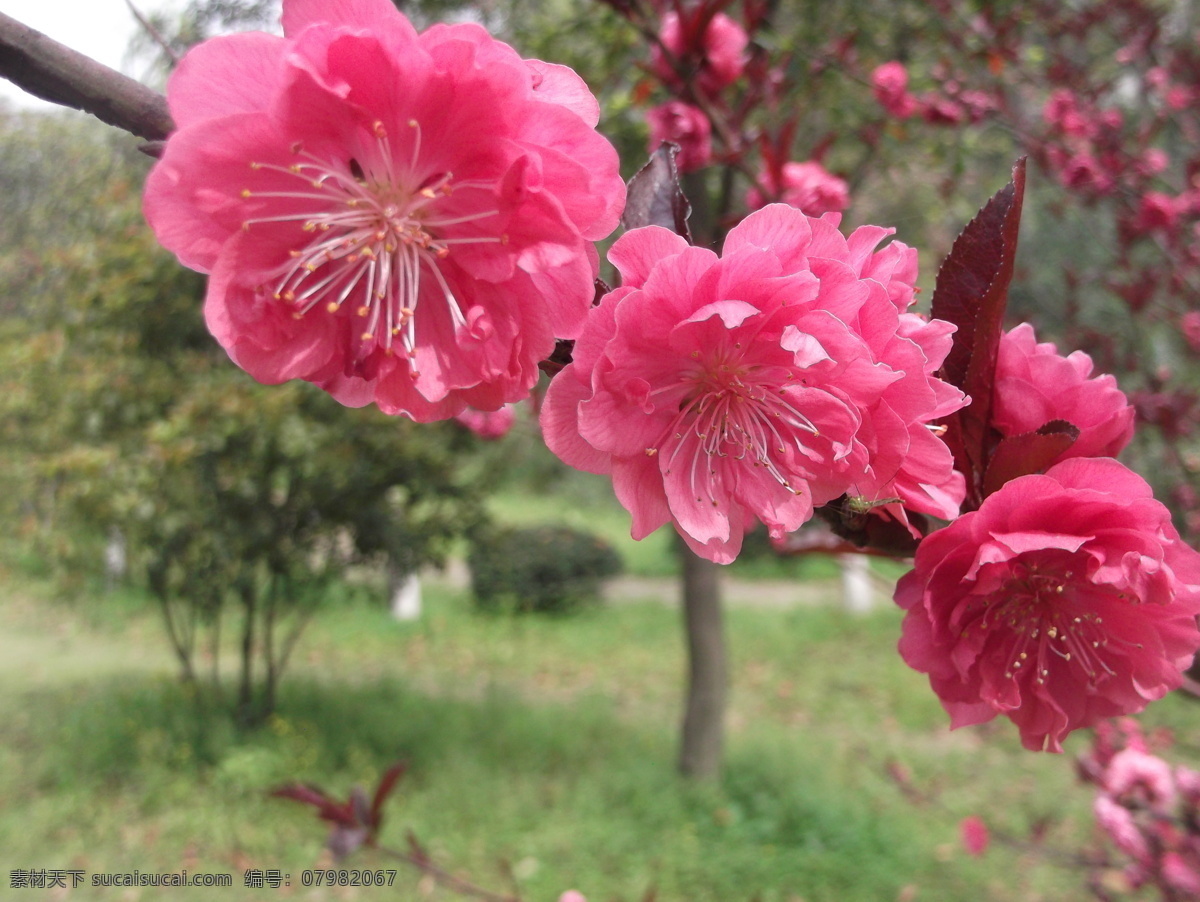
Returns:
<point x="545" y="743"/>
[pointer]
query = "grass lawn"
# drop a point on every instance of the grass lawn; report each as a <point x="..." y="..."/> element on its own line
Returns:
<point x="541" y="759"/>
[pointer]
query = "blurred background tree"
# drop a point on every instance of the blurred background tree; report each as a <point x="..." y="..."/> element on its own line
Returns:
<point x="239" y="505"/>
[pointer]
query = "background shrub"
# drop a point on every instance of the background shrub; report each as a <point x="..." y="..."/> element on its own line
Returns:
<point x="549" y="569"/>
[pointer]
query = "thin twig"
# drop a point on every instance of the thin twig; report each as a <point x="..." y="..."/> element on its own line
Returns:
<point x="460" y="885"/>
<point x="49" y="70"/>
<point x="155" y="34"/>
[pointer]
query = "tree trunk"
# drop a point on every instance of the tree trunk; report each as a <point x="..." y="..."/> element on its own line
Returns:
<point x="702" y="740"/>
<point x="245" y="703"/>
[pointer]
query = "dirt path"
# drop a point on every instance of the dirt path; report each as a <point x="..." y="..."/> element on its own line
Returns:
<point x="743" y="593"/>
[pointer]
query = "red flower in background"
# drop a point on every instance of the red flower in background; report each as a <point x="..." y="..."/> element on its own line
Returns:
<point x="1065" y="599"/>
<point x="717" y="55"/>
<point x="889" y="83"/>
<point x="489" y="424"/>
<point x="353" y="238"/>
<point x="1035" y="385"/>
<point x="1189" y="325"/>
<point x="806" y="186"/>
<point x="974" y="835"/>
<point x="685" y="125"/>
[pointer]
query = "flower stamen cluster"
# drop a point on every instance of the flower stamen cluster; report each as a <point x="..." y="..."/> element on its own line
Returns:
<point x="370" y="230"/>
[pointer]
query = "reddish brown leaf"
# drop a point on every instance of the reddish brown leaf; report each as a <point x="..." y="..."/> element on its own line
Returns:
<point x="972" y="293"/>
<point x="328" y="809"/>
<point x="1033" y="452"/>
<point x="386" y="784"/>
<point x="654" y="196"/>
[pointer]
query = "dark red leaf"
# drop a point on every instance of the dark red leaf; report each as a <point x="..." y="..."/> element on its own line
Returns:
<point x="1033" y="452"/>
<point x="972" y="293"/>
<point x="654" y="196"/>
<point x="304" y="793"/>
<point x="415" y="849"/>
<point x="328" y="809"/>
<point x="386" y="784"/>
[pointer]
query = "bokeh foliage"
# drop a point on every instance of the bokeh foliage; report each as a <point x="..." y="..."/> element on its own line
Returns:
<point x="123" y="421"/>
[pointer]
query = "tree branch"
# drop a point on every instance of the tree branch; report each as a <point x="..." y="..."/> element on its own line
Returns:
<point x="47" y="69"/>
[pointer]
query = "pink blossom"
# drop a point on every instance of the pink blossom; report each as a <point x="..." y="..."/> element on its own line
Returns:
<point x="978" y="104"/>
<point x="1136" y="774"/>
<point x="1082" y="171"/>
<point x="1035" y="384"/>
<point x="974" y="834"/>
<point x="1189" y="324"/>
<point x="572" y="895"/>
<point x="939" y="110"/>
<point x="1065" y="599"/>
<point x="685" y="125"/>
<point x="1179" y="875"/>
<point x="1188" y="783"/>
<point x="889" y="83"/>
<point x="1152" y="162"/>
<point x="489" y="424"/>
<point x="1157" y="212"/>
<point x="806" y="186"/>
<point x="1062" y="112"/>
<point x="1110" y="119"/>
<point x="1117" y="821"/>
<point x="353" y="238"/>
<point x="1157" y="78"/>
<point x="758" y="385"/>
<point x="1179" y="97"/>
<point x="718" y="54"/>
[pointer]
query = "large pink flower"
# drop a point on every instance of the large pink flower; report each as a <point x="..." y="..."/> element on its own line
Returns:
<point x="807" y="186"/>
<point x="398" y="217"/>
<point x="1065" y="599"/>
<point x="1035" y="384"/>
<point x="718" y="391"/>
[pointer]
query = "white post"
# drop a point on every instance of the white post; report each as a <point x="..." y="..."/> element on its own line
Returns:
<point x="115" y="561"/>
<point x="406" y="599"/>
<point x="856" y="583"/>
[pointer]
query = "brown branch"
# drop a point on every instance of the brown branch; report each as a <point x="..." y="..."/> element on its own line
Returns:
<point x="459" y="885"/>
<point x="155" y="34"/>
<point x="47" y="69"/>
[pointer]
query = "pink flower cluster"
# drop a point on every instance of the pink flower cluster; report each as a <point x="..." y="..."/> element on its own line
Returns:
<point x="758" y="385"/>
<point x="698" y="55"/>
<point x="700" y="49"/>
<point x="1034" y="385"/>
<point x="685" y="125"/>
<point x="353" y="238"/>
<point x="489" y="424"/>
<point x="806" y="186"/>
<point x="1147" y="808"/>
<point x="953" y="105"/>
<point x="1066" y="598"/>
<point x="1088" y="148"/>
